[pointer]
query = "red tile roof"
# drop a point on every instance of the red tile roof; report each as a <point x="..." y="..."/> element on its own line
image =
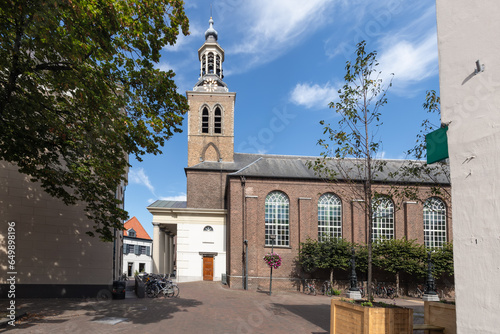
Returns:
<point x="140" y="232"/>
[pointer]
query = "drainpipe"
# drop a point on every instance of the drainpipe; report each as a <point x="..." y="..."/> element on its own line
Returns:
<point x="245" y="241"/>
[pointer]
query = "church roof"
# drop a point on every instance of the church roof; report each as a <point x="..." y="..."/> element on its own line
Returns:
<point x="168" y="204"/>
<point x="140" y="232"/>
<point x="282" y="166"/>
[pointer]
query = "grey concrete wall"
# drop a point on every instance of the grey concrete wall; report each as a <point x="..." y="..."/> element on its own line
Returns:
<point x="51" y="247"/>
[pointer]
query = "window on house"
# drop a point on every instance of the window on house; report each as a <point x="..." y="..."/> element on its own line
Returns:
<point x="434" y="223"/>
<point x="142" y="267"/>
<point x="208" y="228"/>
<point x="217" y="121"/>
<point x="143" y="250"/>
<point x="130" y="249"/>
<point x="329" y="217"/>
<point x="383" y="219"/>
<point x="276" y="215"/>
<point x="204" y="120"/>
<point x="131" y="233"/>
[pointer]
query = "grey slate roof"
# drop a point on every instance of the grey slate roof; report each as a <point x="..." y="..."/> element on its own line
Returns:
<point x="282" y="166"/>
<point x="168" y="204"/>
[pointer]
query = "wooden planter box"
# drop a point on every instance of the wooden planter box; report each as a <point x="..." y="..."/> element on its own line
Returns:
<point x="440" y="314"/>
<point x="347" y="318"/>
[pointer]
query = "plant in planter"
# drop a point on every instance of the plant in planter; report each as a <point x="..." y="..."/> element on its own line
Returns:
<point x="369" y="318"/>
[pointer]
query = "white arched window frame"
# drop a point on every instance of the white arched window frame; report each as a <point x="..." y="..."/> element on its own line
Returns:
<point x="277" y="219"/>
<point x="434" y="223"/>
<point x="383" y="219"/>
<point x="205" y="120"/>
<point x="329" y="217"/>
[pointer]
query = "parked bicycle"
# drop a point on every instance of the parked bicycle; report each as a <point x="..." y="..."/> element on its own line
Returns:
<point x="418" y="292"/>
<point x="156" y="285"/>
<point x="327" y="289"/>
<point x="309" y="288"/>
<point x="383" y="291"/>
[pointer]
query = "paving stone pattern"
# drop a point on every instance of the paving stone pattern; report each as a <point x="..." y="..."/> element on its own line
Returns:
<point x="202" y="307"/>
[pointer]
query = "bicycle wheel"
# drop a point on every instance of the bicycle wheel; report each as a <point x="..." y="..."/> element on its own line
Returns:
<point x="329" y="291"/>
<point x="173" y="291"/>
<point x="152" y="291"/>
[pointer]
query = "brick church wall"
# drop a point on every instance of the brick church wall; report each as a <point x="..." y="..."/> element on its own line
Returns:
<point x="303" y="196"/>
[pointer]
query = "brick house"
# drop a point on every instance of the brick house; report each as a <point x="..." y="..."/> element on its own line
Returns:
<point x="254" y="196"/>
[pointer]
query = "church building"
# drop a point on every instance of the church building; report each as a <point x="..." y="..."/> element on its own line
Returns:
<point x="239" y="206"/>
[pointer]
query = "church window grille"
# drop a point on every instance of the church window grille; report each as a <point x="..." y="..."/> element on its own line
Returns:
<point x="434" y="223"/>
<point x="204" y="120"/>
<point x="383" y="219"/>
<point x="218" y="121"/>
<point x="277" y="219"/>
<point x="329" y="217"/>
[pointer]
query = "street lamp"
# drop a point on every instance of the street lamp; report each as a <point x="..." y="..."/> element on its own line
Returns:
<point x="430" y="293"/>
<point x="272" y="237"/>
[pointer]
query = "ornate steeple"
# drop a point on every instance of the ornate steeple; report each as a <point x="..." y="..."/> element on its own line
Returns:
<point x="211" y="57"/>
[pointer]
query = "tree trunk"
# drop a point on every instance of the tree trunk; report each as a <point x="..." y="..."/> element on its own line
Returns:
<point x="397" y="284"/>
<point x="331" y="277"/>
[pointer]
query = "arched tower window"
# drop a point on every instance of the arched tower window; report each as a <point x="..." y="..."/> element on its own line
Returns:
<point x="210" y="63"/>
<point x="218" y="66"/>
<point x="383" y="219"/>
<point x="204" y="120"/>
<point x="434" y="223"/>
<point x="277" y="223"/>
<point x="217" y="121"/>
<point x="203" y="65"/>
<point x="329" y="217"/>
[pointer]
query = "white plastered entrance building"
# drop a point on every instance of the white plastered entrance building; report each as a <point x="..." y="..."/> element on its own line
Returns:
<point x="189" y="241"/>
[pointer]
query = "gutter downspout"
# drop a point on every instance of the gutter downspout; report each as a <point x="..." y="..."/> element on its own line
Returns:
<point x="245" y="241"/>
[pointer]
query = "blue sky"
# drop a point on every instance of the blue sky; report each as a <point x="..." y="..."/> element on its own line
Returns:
<point x="285" y="60"/>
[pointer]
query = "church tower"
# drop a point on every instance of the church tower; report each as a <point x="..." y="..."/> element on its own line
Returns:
<point x="211" y="107"/>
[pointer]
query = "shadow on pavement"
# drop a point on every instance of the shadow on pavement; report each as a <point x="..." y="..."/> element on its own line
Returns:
<point x="137" y="311"/>
<point x="315" y="314"/>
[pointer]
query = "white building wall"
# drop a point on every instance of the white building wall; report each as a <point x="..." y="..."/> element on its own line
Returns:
<point x="469" y="31"/>
<point x="192" y="241"/>
<point x="137" y="259"/>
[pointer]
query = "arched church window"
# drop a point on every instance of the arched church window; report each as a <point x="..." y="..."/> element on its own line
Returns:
<point x="217" y="121"/>
<point x="383" y="219"/>
<point x="208" y="228"/>
<point x="204" y="120"/>
<point x="329" y="217"/>
<point x="277" y="223"/>
<point x="434" y="223"/>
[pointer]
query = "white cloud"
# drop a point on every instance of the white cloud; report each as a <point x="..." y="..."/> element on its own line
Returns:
<point x="180" y="197"/>
<point x="411" y="61"/>
<point x="182" y="41"/>
<point x="313" y="95"/>
<point x="277" y="26"/>
<point x="138" y="176"/>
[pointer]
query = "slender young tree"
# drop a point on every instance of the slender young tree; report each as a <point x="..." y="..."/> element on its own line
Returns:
<point x="80" y="90"/>
<point x="351" y="145"/>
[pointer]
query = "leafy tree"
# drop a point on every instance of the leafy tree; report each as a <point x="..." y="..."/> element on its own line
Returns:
<point x="351" y="147"/>
<point x="79" y="92"/>
<point x="398" y="256"/>
<point x="442" y="260"/>
<point x="309" y="255"/>
<point x="334" y="253"/>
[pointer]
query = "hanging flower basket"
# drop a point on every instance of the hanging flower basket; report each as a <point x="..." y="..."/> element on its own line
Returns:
<point x="273" y="260"/>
